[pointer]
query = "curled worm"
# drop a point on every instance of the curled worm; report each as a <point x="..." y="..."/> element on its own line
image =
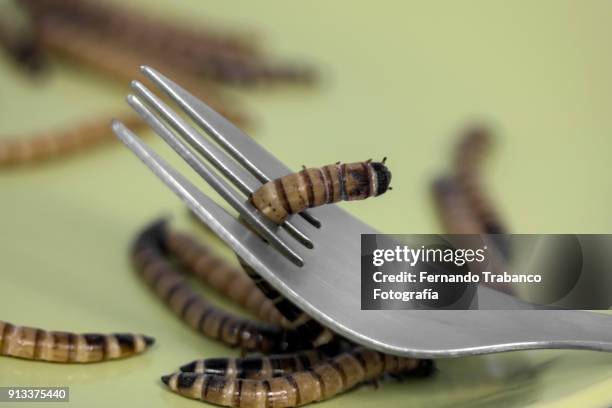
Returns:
<point x="278" y="380"/>
<point x="64" y="347"/>
<point x="171" y="286"/>
<point x="313" y="187"/>
<point x="321" y="381"/>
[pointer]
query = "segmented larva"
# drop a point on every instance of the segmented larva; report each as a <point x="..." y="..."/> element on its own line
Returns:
<point x="221" y="276"/>
<point x="250" y="291"/>
<point x="171" y="286"/>
<point x="257" y="367"/>
<point x="322" y="381"/>
<point x="313" y="187"/>
<point x="64" y="347"/>
<point x="51" y="144"/>
<point x="469" y="156"/>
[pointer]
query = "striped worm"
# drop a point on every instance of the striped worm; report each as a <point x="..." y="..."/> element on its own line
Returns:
<point x="171" y="286"/>
<point x="254" y="294"/>
<point x="221" y="275"/>
<point x="64" y="347"/>
<point x="313" y="187"/>
<point x="249" y="291"/>
<point x="56" y="143"/>
<point x="319" y="382"/>
<point x="257" y="367"/>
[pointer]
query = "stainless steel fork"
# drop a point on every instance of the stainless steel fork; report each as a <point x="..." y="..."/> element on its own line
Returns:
<point x="314" y="258"/>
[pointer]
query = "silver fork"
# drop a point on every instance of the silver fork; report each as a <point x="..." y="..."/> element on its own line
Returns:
<point x="314" y="259"/>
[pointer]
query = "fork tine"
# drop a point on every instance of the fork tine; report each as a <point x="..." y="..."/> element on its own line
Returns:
<point x="242" y="179"/>
<point x="222" y="130"/>
<point x="182" y="187"/>
<point x="236" y="174"/>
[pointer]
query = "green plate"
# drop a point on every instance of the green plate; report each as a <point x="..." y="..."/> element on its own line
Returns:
<point x="399" y="79"/>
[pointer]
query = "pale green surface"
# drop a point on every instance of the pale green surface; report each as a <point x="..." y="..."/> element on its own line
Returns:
<point x="399" y="80"/>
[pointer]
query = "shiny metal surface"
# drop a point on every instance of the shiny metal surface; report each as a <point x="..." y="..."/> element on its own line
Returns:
<point x="327" y="286"/>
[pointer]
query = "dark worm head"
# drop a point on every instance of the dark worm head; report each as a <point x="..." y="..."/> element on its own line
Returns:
<point x="383" y="175"/>
<point x="153" y="234"/>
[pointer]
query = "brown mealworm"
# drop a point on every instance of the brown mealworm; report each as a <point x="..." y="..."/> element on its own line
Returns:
<point x="320" y="382"/>
<point x="257" y="367"/>
<point x="171" y="286"/>
<point x="221" y="276"/>
<point x="56" y="143"/>
<point x="249" y="291"/>
<point x="64" y="347"/>
<point x="291" y="194"/>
